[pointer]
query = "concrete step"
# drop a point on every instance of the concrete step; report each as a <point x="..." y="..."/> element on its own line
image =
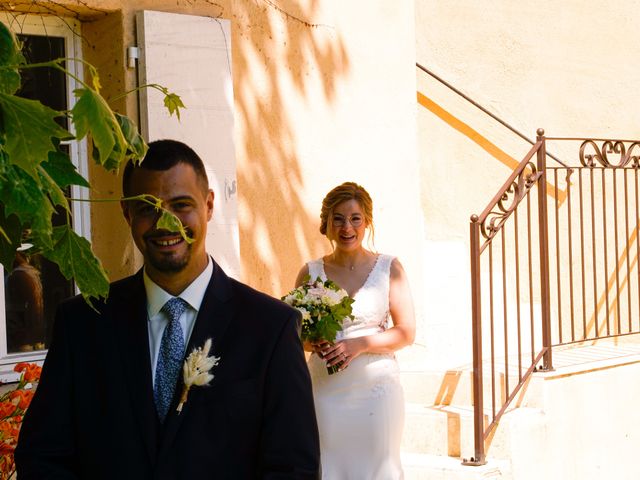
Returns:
<point x="434" y="467"/>
<point x="448" y="431"/>
<point x="558" y="427"/>
<point x="438" y="430"/>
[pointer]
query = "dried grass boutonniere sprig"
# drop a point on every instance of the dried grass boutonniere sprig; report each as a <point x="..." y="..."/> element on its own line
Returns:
<point x="197" y="370"/>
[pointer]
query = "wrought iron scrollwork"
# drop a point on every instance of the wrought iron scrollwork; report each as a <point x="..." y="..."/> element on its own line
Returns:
<point x="509" y="200"/>
<point x="627" y="154"/>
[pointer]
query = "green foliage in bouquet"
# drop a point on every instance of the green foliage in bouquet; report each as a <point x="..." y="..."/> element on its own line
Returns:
<point x="35" y="170"/>
<point x="324" y="307"/>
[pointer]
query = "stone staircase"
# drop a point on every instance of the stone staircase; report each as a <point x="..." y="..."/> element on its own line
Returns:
<point x="559" y="427"/>
<point x="438" y="430"/>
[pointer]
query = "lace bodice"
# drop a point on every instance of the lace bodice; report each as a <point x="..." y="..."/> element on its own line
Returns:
<point x="371" y="306"/>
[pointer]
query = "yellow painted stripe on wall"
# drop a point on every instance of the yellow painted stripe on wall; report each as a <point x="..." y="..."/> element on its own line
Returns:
<point x="484" y="143"/>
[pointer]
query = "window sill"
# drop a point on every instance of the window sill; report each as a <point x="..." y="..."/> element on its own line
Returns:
<point x="8" y="375"/>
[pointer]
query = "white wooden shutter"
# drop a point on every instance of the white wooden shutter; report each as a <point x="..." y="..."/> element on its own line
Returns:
<point x="191" y="56"/>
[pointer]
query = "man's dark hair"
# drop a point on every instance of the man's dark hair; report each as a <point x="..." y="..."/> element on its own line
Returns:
<point x="163" y="155"/>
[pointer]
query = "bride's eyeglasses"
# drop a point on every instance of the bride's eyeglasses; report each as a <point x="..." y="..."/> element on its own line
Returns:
<point x="339" y="221"/>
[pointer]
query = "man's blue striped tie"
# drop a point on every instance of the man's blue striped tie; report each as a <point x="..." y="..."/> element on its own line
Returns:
<point x="170" y="357"/>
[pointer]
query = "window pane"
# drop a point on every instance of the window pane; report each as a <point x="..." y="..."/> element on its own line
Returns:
<point x="35" y="286"/>
<point x="47" y="85"/>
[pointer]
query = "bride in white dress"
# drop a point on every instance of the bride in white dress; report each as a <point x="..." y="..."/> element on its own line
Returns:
<point x="360" y="409"/>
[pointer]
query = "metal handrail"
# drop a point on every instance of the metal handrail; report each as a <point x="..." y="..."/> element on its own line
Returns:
<point x="483" y="109"/>
<point x="606" y="184"/>
<point x="509" y="183"/>
<point x="492" y="221"/>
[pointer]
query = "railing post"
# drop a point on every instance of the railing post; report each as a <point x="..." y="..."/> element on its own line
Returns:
<point x="544" y="251"/>
<point x="476" y="317"/>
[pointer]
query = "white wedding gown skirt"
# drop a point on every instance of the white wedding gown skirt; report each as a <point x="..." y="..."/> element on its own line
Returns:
<point x="360" y="410"/>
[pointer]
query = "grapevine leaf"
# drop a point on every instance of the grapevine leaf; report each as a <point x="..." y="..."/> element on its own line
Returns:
<point x="91" y="114"/>
<point x="173" y="103"/>
<point x="10" y="55"/>
<point x="63" y="171"/>
<point x="73" y="254"/>
<point x="53" y="190"/>
<point x="111" y="162"/>
<point x="168" y="221"/>
<point x="136" y="146"/>
<point x="131" y="147"/>
<point x="29" y="127"/>
<point x="26" y="198"/>
<point x="11" y="227"/>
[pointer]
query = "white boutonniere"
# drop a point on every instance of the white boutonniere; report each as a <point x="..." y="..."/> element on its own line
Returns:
<point x="196" y="370"/>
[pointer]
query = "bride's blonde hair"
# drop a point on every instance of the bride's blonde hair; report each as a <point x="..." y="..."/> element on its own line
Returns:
<point x="343" y="193"/>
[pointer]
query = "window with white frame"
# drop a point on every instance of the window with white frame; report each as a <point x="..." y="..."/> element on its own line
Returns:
<point x="35" y="286"/>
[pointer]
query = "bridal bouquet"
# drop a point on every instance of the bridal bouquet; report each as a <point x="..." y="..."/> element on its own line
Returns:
<point x="324" y="306"/>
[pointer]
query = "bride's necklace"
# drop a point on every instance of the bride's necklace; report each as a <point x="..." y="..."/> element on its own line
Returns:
<point x="351" y="267"/>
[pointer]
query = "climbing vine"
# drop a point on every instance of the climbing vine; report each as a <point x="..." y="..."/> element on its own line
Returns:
<point x="35" y="171"/>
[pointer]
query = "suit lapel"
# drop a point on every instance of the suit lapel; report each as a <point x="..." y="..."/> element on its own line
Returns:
<point x="212" y="321"/>
<point x="130" y="314"/>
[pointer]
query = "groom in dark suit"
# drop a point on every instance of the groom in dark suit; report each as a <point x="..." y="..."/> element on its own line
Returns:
<point x="106" y="406"/>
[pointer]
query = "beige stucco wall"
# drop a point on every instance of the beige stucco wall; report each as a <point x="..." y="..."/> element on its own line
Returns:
<point x="543" y="64"/>
<point x="324" y="93"/>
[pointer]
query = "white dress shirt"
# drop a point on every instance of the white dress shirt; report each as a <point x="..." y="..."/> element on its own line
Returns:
<point x="158" y="320"/>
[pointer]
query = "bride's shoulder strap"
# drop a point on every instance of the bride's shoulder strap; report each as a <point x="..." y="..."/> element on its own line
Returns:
<point x="315" y="268"/>
<point x="385" y="263"/>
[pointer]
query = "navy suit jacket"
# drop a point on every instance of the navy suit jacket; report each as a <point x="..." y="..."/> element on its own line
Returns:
<point x="93" y="414"/>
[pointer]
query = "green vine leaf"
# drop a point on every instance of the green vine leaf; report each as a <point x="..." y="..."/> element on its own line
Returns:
<point x="136" y="146"/>
<point x="53" y="190"/>
<point x="35" y="172"/>
<point x="91" y="114"/>
<point x="132" y="146"/>
<point x="76" y="260"/>
<point x="9" y="55"/>
<point x="27" y="198"/>
<point x="168" y="221"/>
<point x="62" y="170"/>
<point x="173" y="103"/>
<point x="11" y="228"/>
<point x="29" y="128"/>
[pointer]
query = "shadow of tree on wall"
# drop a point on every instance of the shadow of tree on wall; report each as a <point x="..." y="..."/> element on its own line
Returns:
<point x="277" y="234"/>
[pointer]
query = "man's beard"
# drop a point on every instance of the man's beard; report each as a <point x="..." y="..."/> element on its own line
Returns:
<point x="170" y="263"/>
